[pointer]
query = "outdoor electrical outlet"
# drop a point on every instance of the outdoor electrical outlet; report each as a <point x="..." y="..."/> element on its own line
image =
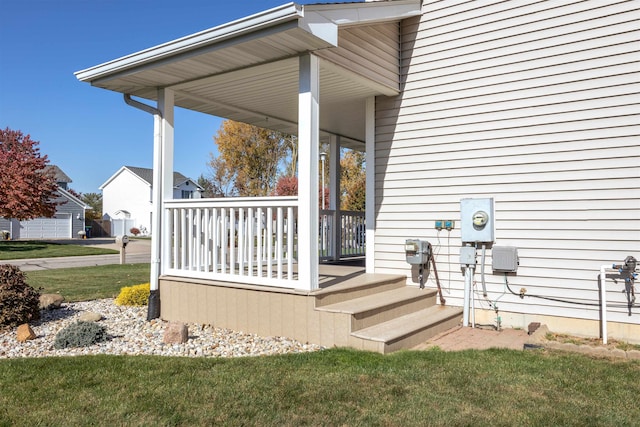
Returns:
<point x="439" y="225"/>
<point x="449" y="225"/>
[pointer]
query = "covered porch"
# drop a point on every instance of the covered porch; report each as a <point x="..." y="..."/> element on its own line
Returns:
<point x="313" y="71"/>
<point x="255" y="263"/>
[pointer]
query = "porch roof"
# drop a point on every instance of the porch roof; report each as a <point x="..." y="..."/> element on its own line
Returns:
<point x="247" y="70"/>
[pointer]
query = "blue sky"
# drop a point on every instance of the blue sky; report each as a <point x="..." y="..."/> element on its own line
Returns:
<point x="90" y="132"/>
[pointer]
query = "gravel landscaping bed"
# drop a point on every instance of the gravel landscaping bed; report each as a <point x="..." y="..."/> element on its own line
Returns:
<point x="131" y="334"/>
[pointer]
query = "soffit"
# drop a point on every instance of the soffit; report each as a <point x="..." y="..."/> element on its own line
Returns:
<point x="247" y="70"/>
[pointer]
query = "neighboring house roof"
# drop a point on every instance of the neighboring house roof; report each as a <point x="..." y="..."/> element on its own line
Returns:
<point x="58" y="174"/>
<point x="146" y="175"/>
<point x="73" y="198"/>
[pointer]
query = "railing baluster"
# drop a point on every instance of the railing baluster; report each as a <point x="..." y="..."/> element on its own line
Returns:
<point x="223" y="241"/>
<point x="250" y="239"/>
<point x="290" y="243"/>
<point x="259" y="241"/>
<point x="241" y="254"/>
<point x="279" y="242"/>
<point x="269" y="238"/>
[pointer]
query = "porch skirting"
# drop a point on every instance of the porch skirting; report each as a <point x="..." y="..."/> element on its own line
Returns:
<point x="253" y="309"/>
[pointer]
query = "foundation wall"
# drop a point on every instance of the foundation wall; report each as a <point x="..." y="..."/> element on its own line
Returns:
<point x="564" y="325"/>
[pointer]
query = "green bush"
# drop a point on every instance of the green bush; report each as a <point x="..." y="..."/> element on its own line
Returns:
<point x="80" y="334"/>
<point x="19" y="302"/>
<point x="137" y="295"/>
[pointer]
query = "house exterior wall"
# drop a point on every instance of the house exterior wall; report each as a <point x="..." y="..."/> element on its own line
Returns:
<point x="127" y="192"/>
<point x="67" y="208"/>
<point x="537" y="106"/>
<point x="71" y="208"/>
<point x="186" y="186"/>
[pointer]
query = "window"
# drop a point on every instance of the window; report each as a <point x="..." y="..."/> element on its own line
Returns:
<point x="186" y="194"/>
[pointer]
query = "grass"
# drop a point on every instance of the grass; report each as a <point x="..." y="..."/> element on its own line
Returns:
<point x="87" y="283"/>
<point x="333" y="387"/>
<point x="19" y="249"/>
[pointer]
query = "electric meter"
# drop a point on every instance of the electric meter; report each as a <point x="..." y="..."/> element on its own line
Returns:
<point x="477" y="220"/>
<point x="480" y="219"/>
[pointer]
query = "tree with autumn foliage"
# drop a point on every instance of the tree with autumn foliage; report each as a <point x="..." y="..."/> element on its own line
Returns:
<point x="26" y="191"/>
<point x="353" y="181"/>
<point x="250" y="159"/>
<point x="286" y="186"/>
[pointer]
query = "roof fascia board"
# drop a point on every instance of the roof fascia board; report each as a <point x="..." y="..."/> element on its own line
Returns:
<point x="122" y="169"/>
<point x="365" y="13"/>
<point x="269" y="18"/>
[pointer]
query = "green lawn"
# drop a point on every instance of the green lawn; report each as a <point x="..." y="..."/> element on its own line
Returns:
<point x="87" y="283"/>
<point x="335" y="387"/>
<point x="19" y="249"/>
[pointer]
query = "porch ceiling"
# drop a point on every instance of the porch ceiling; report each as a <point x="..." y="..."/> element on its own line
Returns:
<point x="247" y="70"/>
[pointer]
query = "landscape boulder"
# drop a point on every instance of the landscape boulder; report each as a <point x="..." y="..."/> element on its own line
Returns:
<point x="90" y="316"/>
<point x="176" y="333"/>
<point x="25" y="333"/>
<point x="50" y="301"/>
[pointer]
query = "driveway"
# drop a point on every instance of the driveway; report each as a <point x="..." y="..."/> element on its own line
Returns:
<point x="137" y="252"/>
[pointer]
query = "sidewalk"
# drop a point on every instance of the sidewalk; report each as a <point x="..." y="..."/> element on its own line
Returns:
<point x="137" y="252"/>
<point x="460" y="338"/>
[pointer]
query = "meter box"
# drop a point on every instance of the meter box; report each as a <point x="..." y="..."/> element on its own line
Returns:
<point x="505" y="259"/>
<point x="417" y="251"/>
<point x="477" y="220"/>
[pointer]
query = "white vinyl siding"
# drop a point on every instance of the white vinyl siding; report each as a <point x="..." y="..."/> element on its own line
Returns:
<point x="357" y="47"/>
<point x="536" y="105"/>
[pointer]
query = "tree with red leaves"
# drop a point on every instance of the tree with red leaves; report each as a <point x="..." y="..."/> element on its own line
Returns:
<point x="26" y="191"/>
<point x="286" y="186"/>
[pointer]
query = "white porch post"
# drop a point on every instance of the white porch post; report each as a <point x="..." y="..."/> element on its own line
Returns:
<point x="370" y="205"/>
<point x="162" y="189"/>
<point x="334" y="194"/>
<point x="308" y="140"/>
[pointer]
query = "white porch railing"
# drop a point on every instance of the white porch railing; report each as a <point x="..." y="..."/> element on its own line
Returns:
<point x="351" y="234"/>
<point x="247" y="240"/>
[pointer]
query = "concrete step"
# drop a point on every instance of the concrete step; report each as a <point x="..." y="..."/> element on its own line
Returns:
<point x="407" y="331"/>
<point x="383" y="306"/>
<point x="357" y="287"/>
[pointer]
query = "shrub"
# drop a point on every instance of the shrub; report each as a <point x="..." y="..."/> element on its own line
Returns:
<point x="137" y="295"/>
<point x="80" y="334"/>
<point x="135" y="231"/>
<point x="19" y="302"/>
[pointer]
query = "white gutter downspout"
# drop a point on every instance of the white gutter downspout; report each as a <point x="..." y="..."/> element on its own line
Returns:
<point x="153" y="311"/>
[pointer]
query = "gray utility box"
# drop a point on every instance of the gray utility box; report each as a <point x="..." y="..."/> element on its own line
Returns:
<point x="476" y="220"/>
<point x="417" y="251"/>
<point x="505" y="259"/>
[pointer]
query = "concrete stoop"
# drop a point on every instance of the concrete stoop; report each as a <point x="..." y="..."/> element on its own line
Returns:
<point x="380" y="313"/>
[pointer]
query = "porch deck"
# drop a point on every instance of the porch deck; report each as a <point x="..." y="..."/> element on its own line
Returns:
<point x="375" y="312"/>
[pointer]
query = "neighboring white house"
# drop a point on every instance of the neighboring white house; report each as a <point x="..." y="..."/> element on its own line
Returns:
<point x="127" y="197"/>
<point x="67" y="221"/>
<point x="533" y="104"/>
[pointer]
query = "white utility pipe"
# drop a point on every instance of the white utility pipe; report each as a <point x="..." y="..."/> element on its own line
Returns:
<point x="603" y="302"/>
<point x="468" y="278"/>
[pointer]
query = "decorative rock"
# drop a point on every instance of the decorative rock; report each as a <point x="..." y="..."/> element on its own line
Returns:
<point x="50" y="301"/>
<point x="90" y="316"/>
<point x="176" y="333"/>
<point x="25" y="333"/>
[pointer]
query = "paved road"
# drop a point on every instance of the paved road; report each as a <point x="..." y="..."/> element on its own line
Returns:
<point x="138" y="252"/>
